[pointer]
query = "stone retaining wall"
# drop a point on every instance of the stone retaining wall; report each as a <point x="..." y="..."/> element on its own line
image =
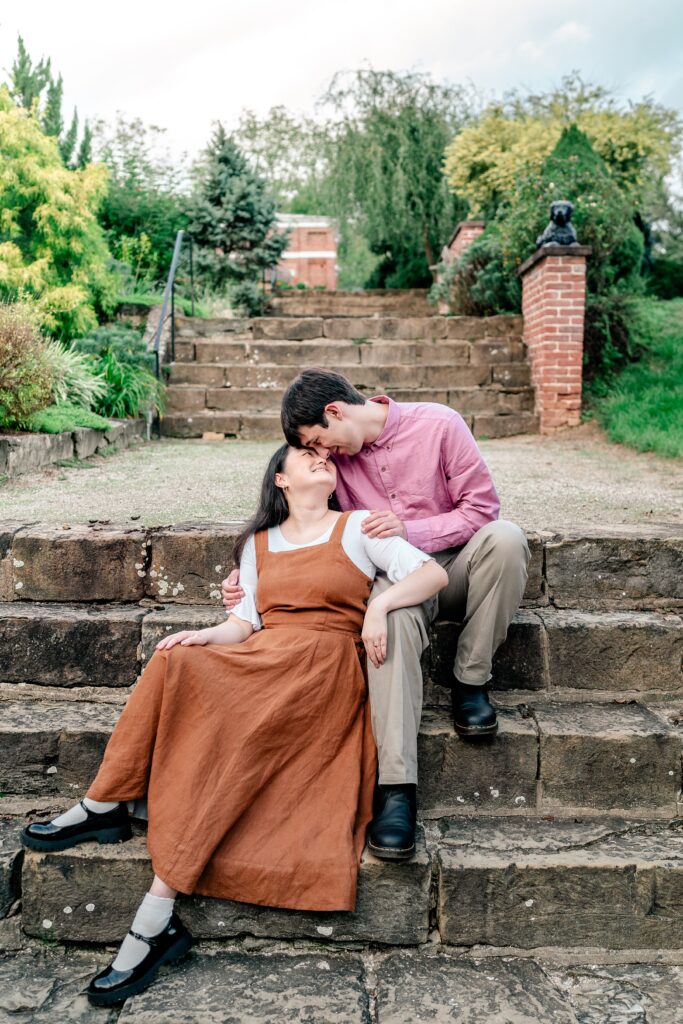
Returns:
<point x="28" y="453"/>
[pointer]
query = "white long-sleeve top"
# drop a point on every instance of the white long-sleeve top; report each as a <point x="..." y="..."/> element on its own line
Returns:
<point x="391" y="555"/>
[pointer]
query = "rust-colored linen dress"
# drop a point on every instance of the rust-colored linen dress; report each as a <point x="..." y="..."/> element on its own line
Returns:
<point x="257" y="759"/>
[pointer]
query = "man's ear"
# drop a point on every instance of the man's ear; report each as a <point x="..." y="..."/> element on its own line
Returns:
<point x="334" y="410"/>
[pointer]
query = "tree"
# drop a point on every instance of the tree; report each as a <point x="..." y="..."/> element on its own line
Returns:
<point x="232" y="217"/>
<point x="385" y="166"/>
<point x="51" y="247"/>
<point x="27" y="80"/>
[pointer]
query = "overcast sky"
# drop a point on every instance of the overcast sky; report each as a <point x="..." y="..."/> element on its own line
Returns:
<point x="184" y="65"/>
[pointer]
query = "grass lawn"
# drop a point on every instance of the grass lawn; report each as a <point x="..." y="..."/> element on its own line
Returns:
<point x="645" y="408"/>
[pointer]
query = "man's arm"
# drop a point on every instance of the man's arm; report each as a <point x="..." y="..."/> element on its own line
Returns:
<point x="474" y="496"/>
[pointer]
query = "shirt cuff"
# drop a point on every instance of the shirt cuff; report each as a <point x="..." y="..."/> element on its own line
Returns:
<point x="418" y="535"/>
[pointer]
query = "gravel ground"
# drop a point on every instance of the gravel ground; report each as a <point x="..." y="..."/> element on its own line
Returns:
<point x="574" y="478"/>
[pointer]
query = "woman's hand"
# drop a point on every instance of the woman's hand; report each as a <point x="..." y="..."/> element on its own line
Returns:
<point x="374" y="634"/>
<point x="186" y="638"/>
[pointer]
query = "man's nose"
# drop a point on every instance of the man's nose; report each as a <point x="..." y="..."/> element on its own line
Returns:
<point x="321" y="451"/>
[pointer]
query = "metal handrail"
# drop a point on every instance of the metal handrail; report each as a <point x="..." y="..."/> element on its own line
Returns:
<point x="169" y="294"/>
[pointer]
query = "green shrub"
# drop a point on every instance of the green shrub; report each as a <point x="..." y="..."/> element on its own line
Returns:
<point x="120" y="357"/>
<point x="66" y="416"/>
<point x="478" y="283"/>
<point x="26" y="376"/>
<point x="75" y="377"/>
<point x="248" y="299"/>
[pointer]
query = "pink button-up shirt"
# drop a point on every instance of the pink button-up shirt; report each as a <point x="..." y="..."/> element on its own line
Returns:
<point x="426" y="467"/>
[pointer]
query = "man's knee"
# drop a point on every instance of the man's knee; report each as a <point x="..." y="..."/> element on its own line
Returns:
<point x="505" y="542"/>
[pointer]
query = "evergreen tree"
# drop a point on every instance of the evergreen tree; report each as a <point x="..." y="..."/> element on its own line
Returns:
<point x="67" y="142"/>
<point x="27" y="80"/>
<point x="85" y="149"/>
<point x="53" y="122"/>
<point x="232" y="217"/>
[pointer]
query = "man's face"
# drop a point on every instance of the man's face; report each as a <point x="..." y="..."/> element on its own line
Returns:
<point x="340" y="437"/>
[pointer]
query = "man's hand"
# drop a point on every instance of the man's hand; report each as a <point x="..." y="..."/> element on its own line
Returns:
<point x="231" y="590"/>
<point x="383" y="524"/>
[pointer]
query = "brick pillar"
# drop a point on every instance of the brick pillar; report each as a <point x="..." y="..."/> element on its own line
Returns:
<point x="553" y="306"/>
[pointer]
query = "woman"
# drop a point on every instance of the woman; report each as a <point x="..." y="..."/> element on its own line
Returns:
<point x="252" y="739"/>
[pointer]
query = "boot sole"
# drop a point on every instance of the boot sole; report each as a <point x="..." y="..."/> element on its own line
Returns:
<point x="172" y="954"/>
<point x="104" y="835"/>
<point x="473" y="732"/>
<point x="387" y="853"/>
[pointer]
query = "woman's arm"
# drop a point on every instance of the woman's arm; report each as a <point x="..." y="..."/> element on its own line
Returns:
<point x="424" y="582"/>
<point x="233" y="631"/>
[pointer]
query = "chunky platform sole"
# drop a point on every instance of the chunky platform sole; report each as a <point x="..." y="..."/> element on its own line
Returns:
<point x="115" y="834"/>
<point x="174" y="953"/>
<point x="474" y="732"/>
<point x="391" y="853"/>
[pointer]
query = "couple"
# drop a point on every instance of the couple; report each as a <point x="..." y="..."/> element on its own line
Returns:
<point x="252" y="740"/>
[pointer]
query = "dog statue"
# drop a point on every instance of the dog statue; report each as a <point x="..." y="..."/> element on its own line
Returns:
<point x="560" y="230"/>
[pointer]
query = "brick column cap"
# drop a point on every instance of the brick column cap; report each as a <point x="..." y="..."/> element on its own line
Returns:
<point x="553" y="250"/>
<point x="464" y="224"/>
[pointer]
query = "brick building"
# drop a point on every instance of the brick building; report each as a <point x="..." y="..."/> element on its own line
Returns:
<point x="311" y="255"/>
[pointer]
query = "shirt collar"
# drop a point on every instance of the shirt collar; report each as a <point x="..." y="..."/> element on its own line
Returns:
<point x="386" y="438"/>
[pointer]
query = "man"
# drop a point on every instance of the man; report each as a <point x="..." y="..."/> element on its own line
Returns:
<point x="418" y="468"/>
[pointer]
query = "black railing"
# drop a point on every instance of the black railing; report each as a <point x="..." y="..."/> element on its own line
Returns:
<point x="169" y="296"/>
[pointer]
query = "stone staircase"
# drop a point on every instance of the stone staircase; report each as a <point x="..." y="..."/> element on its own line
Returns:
<point x="562" y="831"/>
<point x="229" y="375"/>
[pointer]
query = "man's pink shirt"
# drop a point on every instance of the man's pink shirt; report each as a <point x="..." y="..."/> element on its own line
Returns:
<point x="426" y="467"/>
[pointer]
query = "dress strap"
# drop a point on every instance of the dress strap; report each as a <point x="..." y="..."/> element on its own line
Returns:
<point x="338" y="530"/>
<point x="261" y="546"/>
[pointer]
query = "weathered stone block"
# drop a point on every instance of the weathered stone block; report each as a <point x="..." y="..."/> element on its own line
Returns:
<point x="38" y="985"/>
<point x="468" y="328"/>
<point x="420" y="395"/>
<point x="62" y="645"/>
<point x="512" y="375"/>
<point x="497" y="352"/>
<point x="607" y="756"/>
<point x="625" y="570"/>
<point x="185" y="398"/>
<point x="519" y="664"/>
<point x="184" y="351"/>
<point x="270" y="378"/>
<point x="637" y="651"/>
<point x="412" y="328"/>
<point x="431" y="984"/>
<point x="354" y="328"/>
<point x="261" y="427"/>
<point x="248" y="400"/>
<point x="499" y="425"/>
<point x="534" y="592"/>
<point x="298" y="354"/>
<point x="87" y="441"/>
<point x="392" y="905"/>
<point x="458" y="375"/>
<point x="10" y="864"/>
<point x="496" y="773"/>
<point x="188" y="562"/>
<point x="197" y="373"/>
<point x="197" y="424"/>
<point x="162" y="621"/>
<point x="82" y="563"/>
<point x="209" y="351"/>
<point x="8" y="531"/>
<point x="52" y="746"/>
<point x="260" y="988"/>
<point x="289" y="328"/>
<point x="535" y="882"/>
<point x="469" y="401"/>
<point x="443" y="353"/>
<point x="221" y="325"/>
<point x="378" y="353"/>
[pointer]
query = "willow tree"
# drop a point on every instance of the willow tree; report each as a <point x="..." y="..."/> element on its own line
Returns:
<point x="386" y="165"/>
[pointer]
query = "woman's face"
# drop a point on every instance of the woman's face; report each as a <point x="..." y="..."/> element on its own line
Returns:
<point x="306" y="471"/>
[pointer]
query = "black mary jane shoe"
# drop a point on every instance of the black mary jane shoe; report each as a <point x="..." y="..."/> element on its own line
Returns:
<point x="108" y="827"/>
<point x="391" y="833"/>
<point x="110" y="986"/>
<point x="473" y="715"/>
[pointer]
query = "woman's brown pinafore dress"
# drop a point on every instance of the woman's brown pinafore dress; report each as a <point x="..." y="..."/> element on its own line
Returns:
<point x="257" y="759"/>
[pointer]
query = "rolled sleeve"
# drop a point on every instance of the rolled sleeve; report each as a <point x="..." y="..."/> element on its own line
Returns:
<point x="246" y="609"/>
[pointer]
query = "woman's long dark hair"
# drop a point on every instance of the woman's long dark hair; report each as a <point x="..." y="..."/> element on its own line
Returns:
<point x="272" y="506"/>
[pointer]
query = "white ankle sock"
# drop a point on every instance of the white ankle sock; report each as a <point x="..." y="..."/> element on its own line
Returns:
<point x="76" y="814"/>
<point x="152" y="916"/>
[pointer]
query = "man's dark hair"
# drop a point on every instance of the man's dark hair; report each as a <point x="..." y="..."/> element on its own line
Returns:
<point x="305" y="399"/>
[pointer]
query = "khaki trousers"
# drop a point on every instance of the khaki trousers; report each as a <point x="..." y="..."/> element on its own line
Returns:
<point x="486" y="581"/>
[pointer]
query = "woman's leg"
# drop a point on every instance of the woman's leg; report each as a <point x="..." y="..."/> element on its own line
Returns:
<point x="152" y="916"/>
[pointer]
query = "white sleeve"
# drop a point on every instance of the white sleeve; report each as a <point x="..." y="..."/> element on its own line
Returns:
<point x="246" y="609"/>
<point x="393" y="555"/>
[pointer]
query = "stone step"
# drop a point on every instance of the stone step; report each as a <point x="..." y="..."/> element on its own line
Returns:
<point x="398" y="328"/>
<point x="376" y="301"/>
<point x="515" y="883"/>
<point x="467" y="401"/>
<point x="536" y="882"/>
<point x="546" y="651"/>
<point x="324" y="352"/>
<point x="267" y="426"/>
<point x="362" y="376"/>
<point x="634" y="568"/>
<point x="103" y="885"/>
<point x="547" y="757"/>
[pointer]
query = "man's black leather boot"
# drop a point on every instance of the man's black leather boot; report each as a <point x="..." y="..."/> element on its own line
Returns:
<point x="473" y="716"/>
<point x="391" y="834"/>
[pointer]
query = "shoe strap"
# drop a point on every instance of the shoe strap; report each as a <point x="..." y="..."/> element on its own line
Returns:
<point x="149" y="939"/>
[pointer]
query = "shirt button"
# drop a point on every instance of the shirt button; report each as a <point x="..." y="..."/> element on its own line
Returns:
<point x="384" y="469"/>
<point x="392" y="495"/>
